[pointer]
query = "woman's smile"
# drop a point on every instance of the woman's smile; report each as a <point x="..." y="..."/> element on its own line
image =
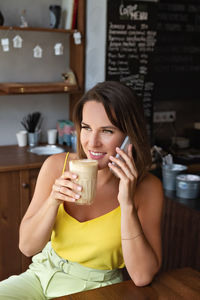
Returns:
<point x="96" y="155"/>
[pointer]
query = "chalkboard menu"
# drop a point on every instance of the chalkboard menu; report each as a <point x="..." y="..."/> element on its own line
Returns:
<point x="131" y="39"/>
<point x="176" y="64"/>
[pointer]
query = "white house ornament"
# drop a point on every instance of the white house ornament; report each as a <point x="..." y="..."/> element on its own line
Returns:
<point x="37" y="51"/>
<point x="17" y="41"/>
<point x="5" y="45"/>
<point x="58" y="49"/>
<point x="77" y="37"/>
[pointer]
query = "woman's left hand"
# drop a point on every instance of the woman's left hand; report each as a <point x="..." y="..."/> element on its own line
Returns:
<point x="126" y="171"/>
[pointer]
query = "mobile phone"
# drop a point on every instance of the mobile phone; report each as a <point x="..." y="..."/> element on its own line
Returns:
<point x="124" y="146"/>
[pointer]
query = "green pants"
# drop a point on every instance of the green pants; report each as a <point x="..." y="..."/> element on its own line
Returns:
<point x="50" y="276"/>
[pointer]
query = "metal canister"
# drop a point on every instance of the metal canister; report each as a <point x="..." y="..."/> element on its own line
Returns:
<point x="188" y="186"/>
<point x="169" y="173"/>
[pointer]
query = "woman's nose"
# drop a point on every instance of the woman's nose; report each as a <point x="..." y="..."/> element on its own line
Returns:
<point x="94" y="140"/>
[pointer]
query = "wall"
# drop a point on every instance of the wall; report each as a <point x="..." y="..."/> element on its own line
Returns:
<point x="187" y="112"/>
<point x="20" y="65"/>
<point x="96" y="42"/>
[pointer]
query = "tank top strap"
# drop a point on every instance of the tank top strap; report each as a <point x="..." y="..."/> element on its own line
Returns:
<point x="64" y="166"/>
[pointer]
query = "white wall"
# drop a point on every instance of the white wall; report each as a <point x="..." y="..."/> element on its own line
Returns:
<point x="96" y="42"/>
<point x="19" y="64"/>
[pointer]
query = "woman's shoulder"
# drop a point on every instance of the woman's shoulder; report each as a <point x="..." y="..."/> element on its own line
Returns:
<point x="56" y="162"/>
<point x="150" y="181"/>
<point x="60" y="157"/>
<point x="149" y="189"/>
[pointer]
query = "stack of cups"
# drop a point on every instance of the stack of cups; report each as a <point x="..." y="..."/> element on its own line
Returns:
<point x="52" y="136"/>
<point x="22" y="138"/>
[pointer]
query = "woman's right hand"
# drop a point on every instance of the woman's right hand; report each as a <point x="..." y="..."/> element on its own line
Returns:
<point x="65" y="189"/>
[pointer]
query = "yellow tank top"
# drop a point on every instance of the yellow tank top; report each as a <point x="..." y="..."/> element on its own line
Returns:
<point x="95" y="243"/>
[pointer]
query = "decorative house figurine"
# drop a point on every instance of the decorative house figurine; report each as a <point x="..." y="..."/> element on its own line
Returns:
<point x="77" y="37"/>
<point x="17" y="41"/>
<point x="5" y="44"/>
<point x="58" y="49"/>
<point x="37" y="51"/>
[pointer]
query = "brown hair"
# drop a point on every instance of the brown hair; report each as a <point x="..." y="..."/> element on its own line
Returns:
<point x="128" y="116"/>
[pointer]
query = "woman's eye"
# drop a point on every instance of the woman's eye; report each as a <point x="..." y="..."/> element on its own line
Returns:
<point x="108" y="131"/>
<point x="85" y="127"/>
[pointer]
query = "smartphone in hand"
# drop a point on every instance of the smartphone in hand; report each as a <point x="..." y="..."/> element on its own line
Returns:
<point x="124" y="146"/>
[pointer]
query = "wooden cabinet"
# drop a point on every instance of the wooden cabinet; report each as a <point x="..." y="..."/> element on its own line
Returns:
<point x="77" y="55"/>
<point x="181" y="236"/>
<point x="16" y="190"/>
<point x="19" y="170"/>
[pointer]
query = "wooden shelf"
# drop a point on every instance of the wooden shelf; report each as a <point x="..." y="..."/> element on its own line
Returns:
<point x="76" y="64"/>
<point x="62" y="30"/>
<point x="8" y="88"/>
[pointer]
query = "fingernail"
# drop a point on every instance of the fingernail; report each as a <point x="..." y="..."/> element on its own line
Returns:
<point x="74" y="176"/>
<point x="79" y="188"/>
<point x="77" y="196"/>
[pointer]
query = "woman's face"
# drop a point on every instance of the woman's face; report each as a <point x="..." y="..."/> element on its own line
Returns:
<point x="99" y="137"/>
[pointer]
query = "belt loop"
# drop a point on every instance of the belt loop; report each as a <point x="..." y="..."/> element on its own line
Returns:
<point x="61" y="263"/>
<point x="66" y="267"/>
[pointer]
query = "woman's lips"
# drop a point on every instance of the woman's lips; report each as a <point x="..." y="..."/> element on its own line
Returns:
<point x="96" y="155"/>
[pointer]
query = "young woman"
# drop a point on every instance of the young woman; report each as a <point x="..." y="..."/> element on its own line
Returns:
<point x="89" y="245"/>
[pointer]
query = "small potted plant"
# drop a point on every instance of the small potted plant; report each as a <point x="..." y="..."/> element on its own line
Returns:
<point x="32" y="123"/>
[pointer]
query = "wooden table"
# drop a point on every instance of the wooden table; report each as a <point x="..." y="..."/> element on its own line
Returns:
<point x="19" y="158"/>
<point x="183" y="284"/>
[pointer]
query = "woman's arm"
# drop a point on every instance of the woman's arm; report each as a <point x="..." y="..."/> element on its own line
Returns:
<point x="38" y="222"/>
<point x="140" y="226"/>
<point x="141" y="232"/>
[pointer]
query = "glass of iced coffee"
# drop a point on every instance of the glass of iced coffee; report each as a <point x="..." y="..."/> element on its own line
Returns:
<point x="86" y="169"/>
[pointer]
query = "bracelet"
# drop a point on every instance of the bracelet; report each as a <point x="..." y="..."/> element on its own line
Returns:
<point x="132" y="238"/>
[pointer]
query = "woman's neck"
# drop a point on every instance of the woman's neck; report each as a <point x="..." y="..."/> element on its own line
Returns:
<point x="106" y="176"/>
